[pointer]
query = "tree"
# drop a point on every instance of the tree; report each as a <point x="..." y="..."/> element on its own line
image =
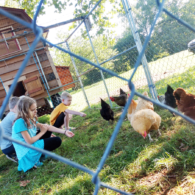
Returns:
<point x="82" y="47"/>
<point x="169" y="36"/>
<point x="99" y="18"/>
<point x="30" y="5"/>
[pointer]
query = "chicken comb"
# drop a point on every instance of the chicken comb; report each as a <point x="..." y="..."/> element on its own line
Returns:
<point x="112" y="99"/>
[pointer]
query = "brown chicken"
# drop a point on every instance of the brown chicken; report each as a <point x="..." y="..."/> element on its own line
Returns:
<point x="185" y="102"/>
<point x="121" y="99"/>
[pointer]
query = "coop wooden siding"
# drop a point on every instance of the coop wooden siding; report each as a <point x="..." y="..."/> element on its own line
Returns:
<point x="6" y="22"/>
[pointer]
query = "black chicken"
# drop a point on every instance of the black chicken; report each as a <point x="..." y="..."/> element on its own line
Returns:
<point x="106" y="112"/>
<point x="169" y="99"/>
<point x="121" y="99"/>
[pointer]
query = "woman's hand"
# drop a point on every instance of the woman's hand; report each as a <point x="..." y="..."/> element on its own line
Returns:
<point x="43" y="128"/>
<point x="69" y="133"/>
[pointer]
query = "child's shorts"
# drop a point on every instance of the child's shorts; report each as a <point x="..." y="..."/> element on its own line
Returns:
<point x="59" y="121"/>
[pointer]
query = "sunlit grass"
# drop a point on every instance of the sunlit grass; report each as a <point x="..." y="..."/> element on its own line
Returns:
<point x="177" y="70"/>
<point x="133" y="165"/>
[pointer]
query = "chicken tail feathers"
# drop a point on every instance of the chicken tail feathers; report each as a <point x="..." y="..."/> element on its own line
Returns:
<point x="169" y="89"/>
<point x="122" y="92"/>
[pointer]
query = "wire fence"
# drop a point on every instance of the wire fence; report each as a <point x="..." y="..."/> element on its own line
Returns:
<point x="164" y="60"/>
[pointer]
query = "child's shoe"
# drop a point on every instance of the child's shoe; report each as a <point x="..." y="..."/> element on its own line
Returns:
<point x="12" y="158"/>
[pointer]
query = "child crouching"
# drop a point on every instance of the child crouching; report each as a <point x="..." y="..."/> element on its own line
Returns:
<point x="25" y="130"/>
<point x="61" y="115"/>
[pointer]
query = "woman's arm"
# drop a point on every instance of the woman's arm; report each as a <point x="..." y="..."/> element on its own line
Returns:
<point x="31" y="140"/>
<point x="82" y="114"/>
<point x="57" y="130"/>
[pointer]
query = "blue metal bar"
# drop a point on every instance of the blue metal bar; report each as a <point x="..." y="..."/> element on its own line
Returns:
<point x="176" y="18"/>
<point x="85" y="60"/>
<point x="139" y="48"/>
<point x="36" y="14"/>
<point x="19" y="55"/>
<point x="93" y="8"/>
<point x="114" y="189"/>
<point x="24" y="23"/>
<point x="64" y="85"/>
<point x="158" y="103"/>
<point x="118" y="54"/>
<point x="102" y="75"/>
<point x="55" y="156"/>
<point x="82" y="21"/>
<point x="79" y="78"/>
<point x="115" y="133"/>
<point x="95" y="178"/>
<point x="21" y="69"/>
<point x="3" y="85"/>
<point x="147" y="40"/>
<point x="40" y="73"/>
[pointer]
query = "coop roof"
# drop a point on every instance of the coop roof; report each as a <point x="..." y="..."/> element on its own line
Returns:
<point x="18" y="12"/>
<point x="63" y="67"/>
<point x="21" y="13"/>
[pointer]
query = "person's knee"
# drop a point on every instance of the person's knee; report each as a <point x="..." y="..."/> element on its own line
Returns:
<point x="58" y="141"/>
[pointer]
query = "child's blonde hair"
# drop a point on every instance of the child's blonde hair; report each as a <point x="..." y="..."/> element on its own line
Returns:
<point x="65" y="95"/>
<point x="24" y="105"/>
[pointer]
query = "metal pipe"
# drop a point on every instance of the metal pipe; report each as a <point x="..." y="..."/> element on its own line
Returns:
<point x="64" y="85"/>
<point x="77" y="73"/>
<point x="3" y="85"/>
<point x="82" y="21"/>
<point x="86" y="71"/>
<point x="42" y="70"/>
<point x="98" y="65"/>
<point x="119" y="54"/>
<point x="139" y="48"/>
<point x="20" y="54"/>
<point x="40" y="74"/>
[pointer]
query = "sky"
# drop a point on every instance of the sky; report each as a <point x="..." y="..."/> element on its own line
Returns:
<point x="50" y="17"/>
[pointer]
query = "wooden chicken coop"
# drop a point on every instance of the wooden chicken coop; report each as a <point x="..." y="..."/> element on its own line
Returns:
<point x="40" y="75"/>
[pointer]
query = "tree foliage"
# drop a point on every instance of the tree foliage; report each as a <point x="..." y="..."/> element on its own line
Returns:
<point x="100" y="17"/>
<point x="168" y="37"/>
<point x="83" y="48"/>
<point x="31" y="5"/>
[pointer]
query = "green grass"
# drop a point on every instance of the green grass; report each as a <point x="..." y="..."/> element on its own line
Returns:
<point x="165" y="166"/>
<point x="176" y="70"/>
<point x="134" y="164"/>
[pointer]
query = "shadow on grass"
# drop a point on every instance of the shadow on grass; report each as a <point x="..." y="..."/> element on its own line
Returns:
<point x="131" y="159"/>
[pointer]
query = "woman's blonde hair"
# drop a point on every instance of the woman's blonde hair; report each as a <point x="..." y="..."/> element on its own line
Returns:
<point x="24" y="105"/>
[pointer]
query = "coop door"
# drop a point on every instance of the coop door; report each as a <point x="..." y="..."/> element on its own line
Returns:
<point x="33" y="86"/>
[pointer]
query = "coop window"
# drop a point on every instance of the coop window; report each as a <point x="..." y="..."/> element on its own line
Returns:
<point x="7" y="47"/>
<point x="50" y="77"/>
